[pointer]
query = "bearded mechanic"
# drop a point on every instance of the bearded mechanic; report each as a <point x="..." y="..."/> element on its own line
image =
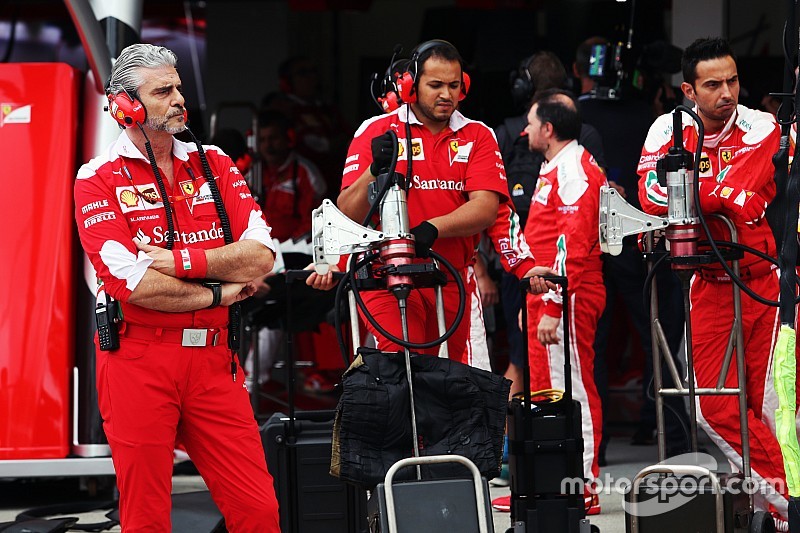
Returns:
<point x="736" y="180"/>
<point x="561" y="231"/>
<point x="458" y="182"/>
<point x="173" y="376"/>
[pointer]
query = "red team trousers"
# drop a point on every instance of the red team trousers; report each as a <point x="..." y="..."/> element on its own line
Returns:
<point x="712" y="317"/>
<point x="150" y="394"/>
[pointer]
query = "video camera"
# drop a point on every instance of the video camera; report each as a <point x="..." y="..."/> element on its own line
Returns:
<point x="607" y="70"/>
<point x="616" y="73"/>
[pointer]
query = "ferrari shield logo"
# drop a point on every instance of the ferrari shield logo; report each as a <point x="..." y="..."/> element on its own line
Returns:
<point x="726" y="155"/>
<point x="459" y="153"/>
<point x="188" y="187"/>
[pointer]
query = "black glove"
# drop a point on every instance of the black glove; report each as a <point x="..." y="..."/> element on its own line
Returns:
<point x="424" y="235"/>
<point x="382" y="148"/>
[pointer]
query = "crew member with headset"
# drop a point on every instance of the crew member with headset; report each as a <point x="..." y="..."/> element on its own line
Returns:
<point x="457" y="183"/>
<point x="539" y="72"/>
<point x="175" y="238"/>
<point x="505" y="234"/>
<point x="561" y="231"/>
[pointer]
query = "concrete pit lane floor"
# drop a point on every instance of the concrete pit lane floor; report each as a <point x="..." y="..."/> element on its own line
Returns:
<point x="624" y="462"/>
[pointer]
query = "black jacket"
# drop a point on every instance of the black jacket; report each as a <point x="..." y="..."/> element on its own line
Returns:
<point x="460" y="410"/>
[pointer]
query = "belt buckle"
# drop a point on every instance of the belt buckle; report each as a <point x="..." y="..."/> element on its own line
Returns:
<point x="194" y="337"/>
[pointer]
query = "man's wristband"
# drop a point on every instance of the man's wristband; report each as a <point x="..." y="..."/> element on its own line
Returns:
<point x="216" y="291"/>
<point x="190" y="263"/>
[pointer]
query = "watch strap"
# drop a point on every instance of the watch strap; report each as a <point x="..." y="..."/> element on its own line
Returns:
<point x="216" y="291"/>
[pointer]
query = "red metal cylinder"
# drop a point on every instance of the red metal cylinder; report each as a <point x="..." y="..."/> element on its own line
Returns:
<point x="398" y="252"/>
<point x="683" y="241"/>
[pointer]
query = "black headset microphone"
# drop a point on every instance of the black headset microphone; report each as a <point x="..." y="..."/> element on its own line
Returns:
<point x="395" y="51"/>
<point x="388" y="100"/>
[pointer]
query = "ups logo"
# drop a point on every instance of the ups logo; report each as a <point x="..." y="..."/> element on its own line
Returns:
<point x="416" y="148"/>
<point x="705" y="164"/>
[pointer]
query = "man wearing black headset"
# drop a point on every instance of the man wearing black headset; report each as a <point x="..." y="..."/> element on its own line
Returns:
<point x="174" y="247"/>
<point x="539" y="72"/>
<point x="457" y="183"/>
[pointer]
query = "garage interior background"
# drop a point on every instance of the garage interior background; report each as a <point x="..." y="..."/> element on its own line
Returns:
<point x="229" y="50"/>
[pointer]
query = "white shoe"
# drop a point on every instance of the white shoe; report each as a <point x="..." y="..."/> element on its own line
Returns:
<point x="781" y="525"/>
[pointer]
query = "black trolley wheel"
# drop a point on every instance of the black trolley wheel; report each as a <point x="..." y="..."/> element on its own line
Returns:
<point x="762" y="523"/>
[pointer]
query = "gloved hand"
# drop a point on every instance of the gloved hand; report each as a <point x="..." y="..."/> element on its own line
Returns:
<point x="382" y="148"/>
<point x="742" y="205"/>
<point x="424" y="236"/>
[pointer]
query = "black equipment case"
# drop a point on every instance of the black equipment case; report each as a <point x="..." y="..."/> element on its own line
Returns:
<point x="298" y="452"/>
<point x="545" y="448"/>
<point x="299" y="457"/>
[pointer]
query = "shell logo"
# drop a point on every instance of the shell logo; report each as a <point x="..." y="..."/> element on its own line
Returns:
<point x="129" y="198"/>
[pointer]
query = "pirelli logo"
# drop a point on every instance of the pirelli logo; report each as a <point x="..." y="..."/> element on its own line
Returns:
<point x="99" y="217"/>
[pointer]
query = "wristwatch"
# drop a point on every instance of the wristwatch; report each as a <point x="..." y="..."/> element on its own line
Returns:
<point x="216" y="290"/>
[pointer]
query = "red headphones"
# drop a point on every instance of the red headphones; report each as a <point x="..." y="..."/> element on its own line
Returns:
<point x="390" y="102"/>
<point x="407" y="83"/>
<point x="244" y="163"/>
<point x="127" y="110"/>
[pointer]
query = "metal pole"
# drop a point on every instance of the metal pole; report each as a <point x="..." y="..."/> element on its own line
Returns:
<point x="355" y="333"/>
<point x="654" y="343"/>
<point x="741" y="373"/>
<point x="686" y="279"/>
<point x="443" y="351"/>
<point x="401" y="302"/>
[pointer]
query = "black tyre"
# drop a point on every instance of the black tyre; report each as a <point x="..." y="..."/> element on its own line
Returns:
<point x="762" y="523"/>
